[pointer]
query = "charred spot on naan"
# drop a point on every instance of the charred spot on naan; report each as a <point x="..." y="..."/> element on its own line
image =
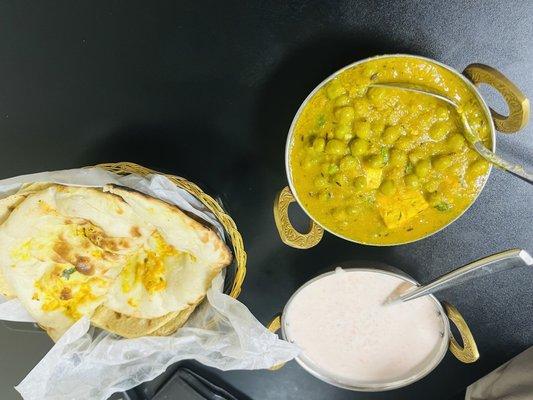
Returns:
<point x="100" y="239"/>
<point x="135" y="232"/>
<point x="206" y="234"/>
<point x="85" y="261"/>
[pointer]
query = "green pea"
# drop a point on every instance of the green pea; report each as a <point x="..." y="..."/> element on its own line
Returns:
<point x="378" y="127"/>
<point x="329" y="168"/>
<point x="335" y="89"/>
<point x="335" y="147"/>
<point x="422" y="168"/>
<point x="442" y="113"/>
<point x="411" y="180"/>
<point x="405" y="143"/>
<point x="432" y="186"/>
<point x="341" y="179"/>
<point x="358" y="147"/>
<point x="398" y="158"/>
<point x="349" y="164"/>
<point x="320" y="182"/>
<point x="319" y="144"/>
<point x="375" y="161"/>
<point x="478" y="168"/>
<point x="345" y="115"/>
<point x="439" y="131"/>
<point x="361" y="107"/>
<point x="416" y="155"/>
<point x="391" y="134"/>
<point x="377" y="95"/>
<point x="442" y="163"/>
<point x="325" y="195"/>
<point x="342" y="101"/>
<point x="388" y="187"/>
<point x="359" y="183"/>
<point x="339" y="214"/>
<point x="456" y="142"/>
<point x="343" y="132"/>
<point x="362" y="129"/>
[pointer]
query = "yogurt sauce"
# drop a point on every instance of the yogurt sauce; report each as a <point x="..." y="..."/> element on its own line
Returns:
<point x="342" y="326"/>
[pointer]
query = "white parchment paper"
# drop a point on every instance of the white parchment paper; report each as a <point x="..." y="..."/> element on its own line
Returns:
<point x="90" y="364"/>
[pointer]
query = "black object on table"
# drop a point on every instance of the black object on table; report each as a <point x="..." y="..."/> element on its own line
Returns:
<point x="185" y="381"/>
<point x="207" y="90"/>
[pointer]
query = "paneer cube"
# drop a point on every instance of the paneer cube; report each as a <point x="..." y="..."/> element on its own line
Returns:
<point x="396" y="210"/>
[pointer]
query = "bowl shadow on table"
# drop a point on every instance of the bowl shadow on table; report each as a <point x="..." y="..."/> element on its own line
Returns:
<point x="299" y="73"/>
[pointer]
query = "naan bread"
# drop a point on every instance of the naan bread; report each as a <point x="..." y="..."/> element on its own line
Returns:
<point x="135" y="265"/>
<point x="61" y="266"/>
<point x="190" y="256"/>
<point x="7" y="205"/>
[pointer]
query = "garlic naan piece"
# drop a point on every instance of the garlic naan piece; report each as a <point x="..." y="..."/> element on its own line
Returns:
<point x="59" y="265"/>
<point x="7" y="205"/>
<point x="135" y="265"/>
<point x="175" y="267"/>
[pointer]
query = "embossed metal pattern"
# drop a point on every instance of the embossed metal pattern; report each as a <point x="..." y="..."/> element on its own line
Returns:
<point x="288" y="234"/>
<point x="517" y="102"/>
<point x="468" y="353"/>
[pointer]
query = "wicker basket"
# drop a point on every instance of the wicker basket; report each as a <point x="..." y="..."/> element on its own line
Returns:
<point x="237" y="271"/>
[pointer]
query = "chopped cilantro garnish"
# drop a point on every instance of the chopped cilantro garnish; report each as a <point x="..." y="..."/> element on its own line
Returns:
<point x="408" y="168"/>
<point x="443" y="206"/>
<point x="67" y="272"/>
<point x="332" y="169"/>
<point x="385" y="155"/>
<point x="321" y="121"/>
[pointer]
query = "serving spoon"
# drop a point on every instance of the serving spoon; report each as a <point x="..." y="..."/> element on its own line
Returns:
<point x="514" y="169"/>
<point x="498" y="262"/>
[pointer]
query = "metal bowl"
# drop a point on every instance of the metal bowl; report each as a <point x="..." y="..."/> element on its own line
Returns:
<point x="467" y="353"/>
<point x="472" y="75"/>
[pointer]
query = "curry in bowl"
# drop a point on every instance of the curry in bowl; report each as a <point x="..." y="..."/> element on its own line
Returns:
<point x="385" y="166"/>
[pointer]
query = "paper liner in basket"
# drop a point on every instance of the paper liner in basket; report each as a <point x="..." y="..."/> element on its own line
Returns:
<point x="87" y="363"/>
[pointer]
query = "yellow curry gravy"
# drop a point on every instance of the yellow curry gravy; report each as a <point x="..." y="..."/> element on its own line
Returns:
<point x="385" y="166"/>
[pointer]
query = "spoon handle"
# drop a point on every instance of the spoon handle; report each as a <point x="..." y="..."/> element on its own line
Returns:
<point x="484" y="266"/>
<point x="515" y="169"/>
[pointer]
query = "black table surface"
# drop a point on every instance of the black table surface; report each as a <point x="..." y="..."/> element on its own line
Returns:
<point x="207" y="90"/>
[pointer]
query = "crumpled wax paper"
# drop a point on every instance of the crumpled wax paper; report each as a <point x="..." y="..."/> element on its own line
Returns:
<point x="91" y="364"/>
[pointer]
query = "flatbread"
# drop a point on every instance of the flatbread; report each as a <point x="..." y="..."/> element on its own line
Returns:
<point x="131" y="327"/>
<point x="205" y="254"/>
<point x="61" y="266"/>
<point x="7" y="205"/>
<point x="157" y="267"/>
